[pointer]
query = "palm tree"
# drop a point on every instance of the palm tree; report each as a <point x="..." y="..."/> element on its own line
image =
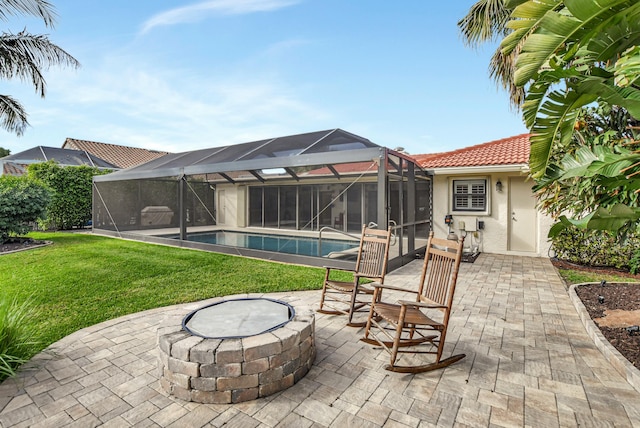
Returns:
<point x="25" y="56"/>
<point x="571" y="55"/>
<point x="487" y="22"/>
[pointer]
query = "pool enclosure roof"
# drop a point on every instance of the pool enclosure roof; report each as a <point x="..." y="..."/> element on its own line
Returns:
<point x="320" y="148"/>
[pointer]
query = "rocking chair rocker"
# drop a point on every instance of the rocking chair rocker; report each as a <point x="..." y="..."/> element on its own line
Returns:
<point x="404" y="326"/>
<point x="344" y="297"/>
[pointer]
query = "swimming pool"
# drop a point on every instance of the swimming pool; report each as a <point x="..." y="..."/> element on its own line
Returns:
<point x="299" y="245"/>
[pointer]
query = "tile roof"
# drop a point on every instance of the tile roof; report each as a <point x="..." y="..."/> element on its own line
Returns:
<point x="12" y="168"/>
<point x="507" y="151"/>
<point x="121" y="156"/>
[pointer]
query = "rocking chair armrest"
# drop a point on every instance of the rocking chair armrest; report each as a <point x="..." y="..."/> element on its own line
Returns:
<point x="419" y="304"/>
<point x="338" y="268"/>
<point x="391" y="287"/>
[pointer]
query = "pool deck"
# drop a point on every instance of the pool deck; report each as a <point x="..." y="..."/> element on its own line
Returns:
<point x="530" y="362"/>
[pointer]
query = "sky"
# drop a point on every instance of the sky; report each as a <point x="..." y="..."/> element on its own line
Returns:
<point x="179" y="75"/>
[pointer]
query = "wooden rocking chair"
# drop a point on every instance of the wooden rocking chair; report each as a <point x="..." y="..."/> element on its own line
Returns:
<point x="345" y="297"/>
<point x="402" y="327"/>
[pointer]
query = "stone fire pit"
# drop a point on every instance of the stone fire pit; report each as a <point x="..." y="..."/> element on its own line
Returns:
<point x="199" y="362"/>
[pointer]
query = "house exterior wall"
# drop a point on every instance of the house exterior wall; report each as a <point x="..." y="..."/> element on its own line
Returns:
<point x="230" y="198"/>
<point x="495" y="236"/>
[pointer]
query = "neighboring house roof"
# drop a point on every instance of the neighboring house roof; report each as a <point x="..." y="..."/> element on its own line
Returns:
<point x="120" y="156"/>
<point x="16" y="164"/>
<point x="507" y="151"/>
<point x="12" y="168"/>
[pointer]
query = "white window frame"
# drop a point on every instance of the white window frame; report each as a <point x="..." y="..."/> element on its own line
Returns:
<point x="470" y="181"/>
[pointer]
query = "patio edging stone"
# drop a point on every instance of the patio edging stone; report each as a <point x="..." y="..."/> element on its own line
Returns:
<point x="617" y="360"/>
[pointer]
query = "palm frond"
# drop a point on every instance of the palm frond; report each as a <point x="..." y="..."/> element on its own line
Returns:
<point x="501" y="69"/>
<point x="24" y="55"/>
<point x="13" y="117"/>
<point x="39" y="8"/>
<point x="486" y="21"/>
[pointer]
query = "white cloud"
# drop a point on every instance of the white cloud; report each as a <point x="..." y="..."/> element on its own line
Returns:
<point x="177" y="111"/>
<point x="199" y="11"/>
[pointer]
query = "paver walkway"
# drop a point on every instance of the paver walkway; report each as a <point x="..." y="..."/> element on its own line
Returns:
<point x="529" y="363"/>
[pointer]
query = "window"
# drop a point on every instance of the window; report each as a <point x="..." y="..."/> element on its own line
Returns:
<point x="469" y="195"/>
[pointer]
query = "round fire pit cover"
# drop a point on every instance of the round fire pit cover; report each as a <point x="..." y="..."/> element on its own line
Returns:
<point x="238" y="318"/>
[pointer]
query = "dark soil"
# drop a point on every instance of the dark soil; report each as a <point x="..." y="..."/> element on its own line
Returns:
<point x="14" y="244"/>
<point x="615" y="296"/>
<point x="600" y="300"/>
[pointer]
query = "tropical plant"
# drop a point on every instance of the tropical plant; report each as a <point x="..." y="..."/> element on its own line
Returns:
<point x="21" y="201"/>
<point x="573" y="54"/>
<point x="18" y="336"/>
<point x="25" y="56"/>
<point x="587" y="173"/>
<point x="485" y="22"/>
<point x="72" y="192"/>
<point x="4" y="152"/>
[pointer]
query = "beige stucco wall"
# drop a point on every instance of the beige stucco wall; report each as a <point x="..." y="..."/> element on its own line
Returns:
<point x="494" y="238"/>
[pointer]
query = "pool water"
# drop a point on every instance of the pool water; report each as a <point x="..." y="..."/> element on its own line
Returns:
<point x="298" y="245"/>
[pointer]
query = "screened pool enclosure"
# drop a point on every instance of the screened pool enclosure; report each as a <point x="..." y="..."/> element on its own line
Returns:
<point x="300" y="198"/>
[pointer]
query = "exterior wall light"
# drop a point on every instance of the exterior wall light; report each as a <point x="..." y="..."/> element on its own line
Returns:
<point x="499" y="186"/>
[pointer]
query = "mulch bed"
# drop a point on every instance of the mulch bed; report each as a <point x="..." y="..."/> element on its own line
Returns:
<point x="614" y="296"/>
<point x="16" y="244"/>
<point x="598" y="299"/>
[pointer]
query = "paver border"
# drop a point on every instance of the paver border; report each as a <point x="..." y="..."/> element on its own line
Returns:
<point x="617" y="360"/>
<point x="32" y="247"/>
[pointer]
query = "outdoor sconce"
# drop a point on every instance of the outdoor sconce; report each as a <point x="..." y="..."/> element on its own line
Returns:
<point x="499" y="186"/>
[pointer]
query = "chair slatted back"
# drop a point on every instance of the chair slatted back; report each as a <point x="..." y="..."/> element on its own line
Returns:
<point x="373" y="253"/>
<point x="440" y="270"/>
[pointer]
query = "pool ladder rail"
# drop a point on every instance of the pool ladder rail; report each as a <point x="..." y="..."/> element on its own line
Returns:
<point x="350" y="235"/>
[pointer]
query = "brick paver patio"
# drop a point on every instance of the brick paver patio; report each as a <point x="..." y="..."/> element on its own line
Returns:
<point x="529" y="363"/>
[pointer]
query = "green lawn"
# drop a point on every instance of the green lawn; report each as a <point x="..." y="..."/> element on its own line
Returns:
<point x="577" y="277"/>
<point x="83" y="279"/>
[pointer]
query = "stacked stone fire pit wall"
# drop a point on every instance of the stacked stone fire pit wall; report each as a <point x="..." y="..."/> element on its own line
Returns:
<point x="220" y="371"/>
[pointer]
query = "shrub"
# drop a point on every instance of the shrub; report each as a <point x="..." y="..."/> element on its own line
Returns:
<point x="634" y="263"/>
<point x="596" y="248"/>
<point x="17" y="336"/>
<point x="72" y="192"/>
<point x="21" y="201"/>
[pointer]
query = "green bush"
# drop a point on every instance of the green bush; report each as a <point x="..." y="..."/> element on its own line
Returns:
<point x="597" y="248"/>
<point x="72" y="192"/>
<point x="634" y="263"/>
<point x="21" y="201"/>
<point x="17" y="335"/>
